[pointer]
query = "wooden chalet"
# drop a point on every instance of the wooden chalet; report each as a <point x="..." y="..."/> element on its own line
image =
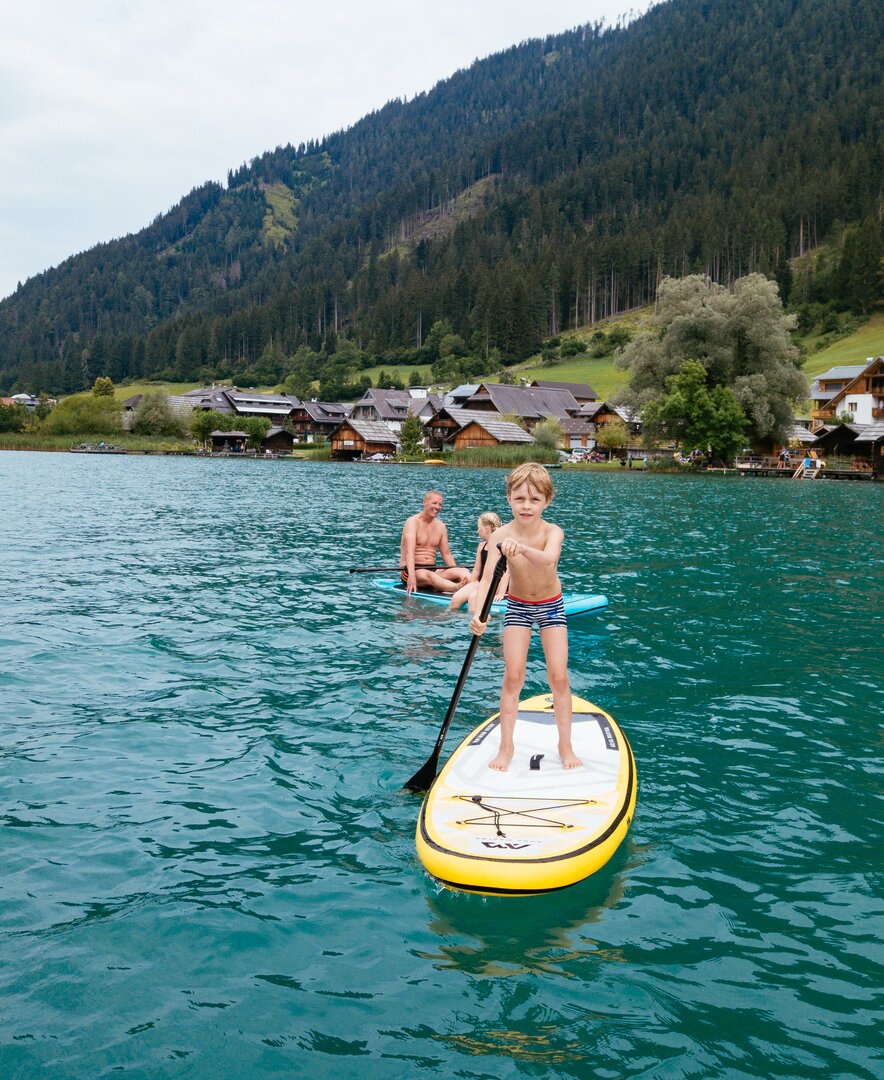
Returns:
<point x="861" y="397"/>
<point x="489" y="430"/>
<point x="279" y="440"/>
<point x="577" y="432"/>
<point x="446" y="422"/>
<point x="600" y="412"/>
<point x="316" y="419"/>
<point x="829" y="385"/>
<point x="362" y="438"/>
<point x="392" y="407"/>
<point x="873" y="436"/>
<point x="235" y="402"/>
<point x="229" y="442"/>
<point x="530" y="403"/>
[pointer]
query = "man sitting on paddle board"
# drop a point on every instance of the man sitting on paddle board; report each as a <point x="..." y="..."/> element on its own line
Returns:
<point x="532" y="547"/>
<point x="423" y="535"/>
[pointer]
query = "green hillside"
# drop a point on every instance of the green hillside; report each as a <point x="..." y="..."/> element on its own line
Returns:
<point x="601" y="374"/>
<point x="867" y="340"/>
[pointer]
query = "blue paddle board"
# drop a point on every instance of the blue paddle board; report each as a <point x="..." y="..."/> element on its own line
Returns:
<point x="575" y="603"/>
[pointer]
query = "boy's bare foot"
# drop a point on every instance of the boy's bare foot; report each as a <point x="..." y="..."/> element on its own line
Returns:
<point x="570" y="759"/>
<point x="501" y="762"/>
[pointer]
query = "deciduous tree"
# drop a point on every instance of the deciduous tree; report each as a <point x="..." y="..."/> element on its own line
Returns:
<point x="740" y="337"/>
<point x="699" y="416"/>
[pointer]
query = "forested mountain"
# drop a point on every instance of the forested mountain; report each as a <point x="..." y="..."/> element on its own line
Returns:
<point x="544" y="187"/>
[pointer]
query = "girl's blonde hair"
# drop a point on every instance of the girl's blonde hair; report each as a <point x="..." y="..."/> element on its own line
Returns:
<point x="489" y="518"/>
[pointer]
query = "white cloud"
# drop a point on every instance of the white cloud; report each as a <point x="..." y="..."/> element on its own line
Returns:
<point x="112" y="110"/>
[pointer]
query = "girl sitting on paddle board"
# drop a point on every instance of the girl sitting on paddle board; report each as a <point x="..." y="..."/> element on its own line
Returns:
<point x="532" y="548"/>
<point x="488" y="522"/>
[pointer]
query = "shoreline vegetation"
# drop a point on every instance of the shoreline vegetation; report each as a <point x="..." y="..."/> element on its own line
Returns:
<point x="89" y="418"/>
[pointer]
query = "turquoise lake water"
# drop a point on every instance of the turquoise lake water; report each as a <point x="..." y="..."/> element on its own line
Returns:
<point x="208" y="864"/>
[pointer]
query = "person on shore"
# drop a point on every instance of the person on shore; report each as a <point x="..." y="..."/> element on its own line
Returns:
<point x="466" y="594"/>
<point x="532" y="547"/>
<point x="423" y="535"/>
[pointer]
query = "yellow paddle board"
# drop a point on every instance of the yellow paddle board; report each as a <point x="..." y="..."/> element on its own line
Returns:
<point x="536" y="827"/>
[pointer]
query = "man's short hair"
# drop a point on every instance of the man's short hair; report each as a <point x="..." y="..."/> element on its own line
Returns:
<point x="534" y="475"/>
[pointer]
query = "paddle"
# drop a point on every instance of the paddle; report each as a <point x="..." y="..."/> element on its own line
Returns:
<point x="398" y="569"/>
<point x="426" y="774"/>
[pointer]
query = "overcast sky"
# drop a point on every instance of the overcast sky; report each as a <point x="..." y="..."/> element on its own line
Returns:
<point x="112" y="110"/>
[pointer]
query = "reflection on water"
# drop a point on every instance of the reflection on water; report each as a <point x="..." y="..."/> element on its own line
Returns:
<point x="209" y="862"/>
<point x="499" y="936"/>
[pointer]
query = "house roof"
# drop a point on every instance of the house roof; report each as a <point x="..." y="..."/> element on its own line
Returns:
<point x="529" y="402"/>
<point x="373" y="431"/>
<point x="462" y="417"/>
<point x="460" y="393"/>
<point x="181" y="405"/>
<point x="845" y="371"/>
<point x="248" y="403"/>
<point x="504" y="431"/>
<point x="213" y="398"/>
<point x="388" y="404"/>
<point x="578" y="390"/>
<point x="851" y="387"/>
<point x="872" y="432"/>
<point x="329" y="411"/>
<point x="577" y="425"/>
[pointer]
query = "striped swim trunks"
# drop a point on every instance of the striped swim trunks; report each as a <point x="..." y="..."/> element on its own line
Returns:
<point x="528" y="612"/>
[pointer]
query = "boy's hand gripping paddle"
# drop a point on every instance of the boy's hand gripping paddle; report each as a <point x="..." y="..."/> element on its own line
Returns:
<point x="426" y="774"/>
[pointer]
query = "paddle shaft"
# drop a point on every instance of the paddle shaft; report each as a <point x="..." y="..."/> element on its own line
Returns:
<point x="399" y="569"/>
<point x="426" y="774"/>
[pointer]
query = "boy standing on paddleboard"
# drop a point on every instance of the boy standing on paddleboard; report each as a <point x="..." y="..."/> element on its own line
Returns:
<point x="532" y="547"/>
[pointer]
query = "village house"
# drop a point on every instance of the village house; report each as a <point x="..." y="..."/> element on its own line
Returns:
<point x="315" y="420"/>
<point x="600" y="412"/>
<point x="274" y="407"/>
<point x="278" y="440"/>
<point x="180" y="405"/>
<point x="578" y="432"/>
<point x="488" y="429"/>
<point x="392" y="407"/>
<point x="446" y="422"/>
<point x="873" y="437"/>
<point x="363" y="438"/>
<point x="235" y="402"/>
<point x="529" y="403"/>
<point x="860" y="397"/>
<point x="826" y="387"/>
<point x="27" y="401"/>
<point x="229" y="442"/>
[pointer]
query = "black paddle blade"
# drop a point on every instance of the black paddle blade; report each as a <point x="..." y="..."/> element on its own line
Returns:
<point x="426" y="774"/>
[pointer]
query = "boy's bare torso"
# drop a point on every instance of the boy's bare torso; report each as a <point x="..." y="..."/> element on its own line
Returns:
<point x="527" y="581"/>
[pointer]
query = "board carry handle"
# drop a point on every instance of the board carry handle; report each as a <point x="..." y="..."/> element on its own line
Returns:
<point x="426" y="774"/>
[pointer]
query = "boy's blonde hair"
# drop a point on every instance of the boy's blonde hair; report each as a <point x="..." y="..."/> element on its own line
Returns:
<point x="534" y="475"/>
<point x="490" y="519"/>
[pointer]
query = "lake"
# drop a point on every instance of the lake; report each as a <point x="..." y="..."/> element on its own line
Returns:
<point x="208" y="860"/>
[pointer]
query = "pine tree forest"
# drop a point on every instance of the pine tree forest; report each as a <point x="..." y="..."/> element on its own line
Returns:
<point x="542" y="189"/>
